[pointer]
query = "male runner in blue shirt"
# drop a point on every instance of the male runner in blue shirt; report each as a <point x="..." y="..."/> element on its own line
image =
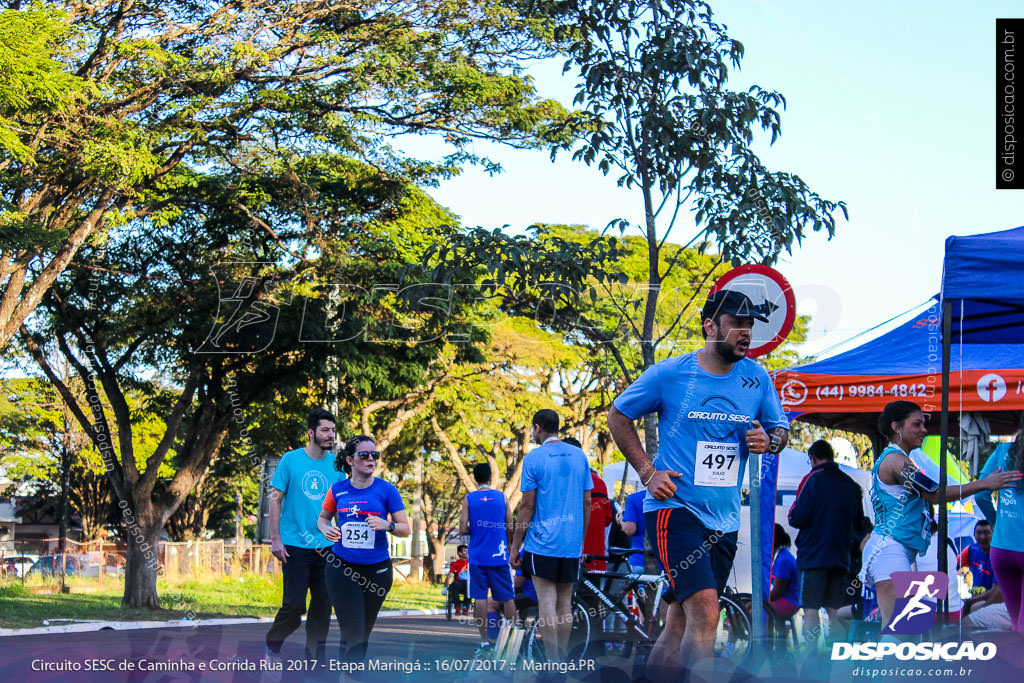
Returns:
<point x="488" y="521"/>
<point x="711" y="405"/>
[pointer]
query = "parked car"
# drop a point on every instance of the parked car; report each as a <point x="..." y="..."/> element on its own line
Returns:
<point x="49" y="565"/>
<point x="17" y="565"/>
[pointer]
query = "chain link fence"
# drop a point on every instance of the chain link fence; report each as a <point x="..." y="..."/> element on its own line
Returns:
<point x="99" y="562"/>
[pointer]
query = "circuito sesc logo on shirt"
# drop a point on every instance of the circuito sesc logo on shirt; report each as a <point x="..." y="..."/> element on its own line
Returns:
<point x="719" y="418"/>
<point x="314" y="485"/>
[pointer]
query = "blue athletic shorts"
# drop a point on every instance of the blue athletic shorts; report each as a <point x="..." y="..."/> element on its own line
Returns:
<point x="497" y="579"/>
<point x="695" y="557"/>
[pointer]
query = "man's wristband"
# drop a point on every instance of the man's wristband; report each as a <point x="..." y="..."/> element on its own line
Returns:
<point x="650" y="479"/>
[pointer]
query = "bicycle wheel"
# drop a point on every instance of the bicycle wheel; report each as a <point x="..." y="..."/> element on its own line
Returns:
<point x="778" y="630"/>
<point x="732" y="639"/>
<point x="652" y="622"/>
<point x="579" y="637"/>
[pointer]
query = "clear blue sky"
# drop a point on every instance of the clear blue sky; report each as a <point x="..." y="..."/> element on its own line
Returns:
<point x="890" y="108"/>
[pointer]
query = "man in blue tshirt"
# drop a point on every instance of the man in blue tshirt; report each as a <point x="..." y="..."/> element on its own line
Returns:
<point x="553" y="518"/>
<point x="487" y="520"/>
<point x="299" y="484"/>
<point x="633" y="525"/>
<point x="714" y="407"/>
<point x="976" y="558"/>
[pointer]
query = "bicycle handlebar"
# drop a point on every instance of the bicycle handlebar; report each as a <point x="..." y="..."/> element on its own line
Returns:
<point x="614" y="554"/>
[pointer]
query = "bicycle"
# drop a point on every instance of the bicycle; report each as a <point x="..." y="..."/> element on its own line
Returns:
<point x="630" y="604"/>
<point x="734" y="634"/>
<point x="533" y="641"/>
<point x="635" y="603"/>
<point x="781" y="634"/>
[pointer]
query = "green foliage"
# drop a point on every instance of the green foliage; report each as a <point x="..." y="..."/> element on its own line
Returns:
<point x="27" y="406"/>
<point x="129" y="106"/>
<point x="33" y="79"/>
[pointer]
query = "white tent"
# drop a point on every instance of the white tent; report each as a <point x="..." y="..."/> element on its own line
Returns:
<point x="793" y="467"/>
<point x="612" y="476"/>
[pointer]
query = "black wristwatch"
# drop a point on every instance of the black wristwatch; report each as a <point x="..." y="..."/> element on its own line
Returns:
<point x="391" y="527"/>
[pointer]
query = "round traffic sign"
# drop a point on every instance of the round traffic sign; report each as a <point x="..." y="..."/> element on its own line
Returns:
<point x="772" y="295"/>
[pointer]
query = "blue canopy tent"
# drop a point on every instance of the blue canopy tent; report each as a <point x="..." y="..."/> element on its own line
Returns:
<point x="983" y="285"/>
<point x="982" y="303"/>
<point x="849" y="390"/>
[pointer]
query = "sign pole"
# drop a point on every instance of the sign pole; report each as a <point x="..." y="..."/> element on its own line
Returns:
<point x="757" y="628"/>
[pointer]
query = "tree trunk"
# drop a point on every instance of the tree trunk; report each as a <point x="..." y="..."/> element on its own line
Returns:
<point x="62" y="525"/>
<point x="416" y="518"/>
<point x="141" y="567"/>
<point x="436" y="557"/>
<point x="651" y="435"/>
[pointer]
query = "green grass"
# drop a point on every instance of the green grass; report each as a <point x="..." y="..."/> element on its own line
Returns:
<point x="250" y="596"/>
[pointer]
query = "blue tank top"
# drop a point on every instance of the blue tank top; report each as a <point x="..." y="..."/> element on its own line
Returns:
<point x="488" y="542"/>
<point x="1009" y="531"/>
<point x="905" y="517"/>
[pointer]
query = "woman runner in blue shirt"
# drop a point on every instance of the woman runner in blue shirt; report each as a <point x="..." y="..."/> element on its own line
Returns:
<point x="358" y="572"/>
<point x="900" y="496"/>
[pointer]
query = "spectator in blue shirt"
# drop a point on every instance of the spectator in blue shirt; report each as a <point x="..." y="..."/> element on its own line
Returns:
<point x="785" y="593"/>
<point x="633" y="525"/>
<point x="976" y="558"/>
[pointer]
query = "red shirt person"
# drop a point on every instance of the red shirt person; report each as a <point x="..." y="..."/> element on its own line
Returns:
<point x="601" y="515"/>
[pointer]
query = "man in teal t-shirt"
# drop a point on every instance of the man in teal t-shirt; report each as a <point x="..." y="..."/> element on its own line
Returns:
<point x="297" y="491"/>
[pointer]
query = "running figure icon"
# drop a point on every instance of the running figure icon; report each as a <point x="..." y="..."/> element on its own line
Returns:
<point x="915" y="607"/>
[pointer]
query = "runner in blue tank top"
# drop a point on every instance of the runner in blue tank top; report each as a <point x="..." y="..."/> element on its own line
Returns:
<point x="488" y="521"/>
<point x="899" y="497"/>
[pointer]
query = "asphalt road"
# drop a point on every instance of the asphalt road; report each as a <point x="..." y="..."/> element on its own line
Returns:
<point x="427" y="648"/>
<point x="419" y="648"/>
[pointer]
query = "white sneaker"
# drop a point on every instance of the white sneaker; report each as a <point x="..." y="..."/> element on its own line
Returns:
<point x="272" y="668"/>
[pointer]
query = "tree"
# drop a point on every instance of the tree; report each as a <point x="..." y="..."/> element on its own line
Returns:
<point x="108" y="109"/>
<point x="654" y="74"/>
<point x="652" y="77"/>
<point x="255" y="131"/>
<point x="48" y="454"/>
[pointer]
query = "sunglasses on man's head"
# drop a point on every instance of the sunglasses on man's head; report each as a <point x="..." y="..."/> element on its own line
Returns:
<point x="368" y="455"/>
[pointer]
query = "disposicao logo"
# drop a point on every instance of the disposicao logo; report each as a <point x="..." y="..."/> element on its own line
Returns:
<point x="947" y="652"/>
<point x="918" y="595"/>
<point x="915" y="610"/>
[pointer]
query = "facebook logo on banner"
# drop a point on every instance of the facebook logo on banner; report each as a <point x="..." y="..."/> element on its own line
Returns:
<point x="917" y="597"/>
